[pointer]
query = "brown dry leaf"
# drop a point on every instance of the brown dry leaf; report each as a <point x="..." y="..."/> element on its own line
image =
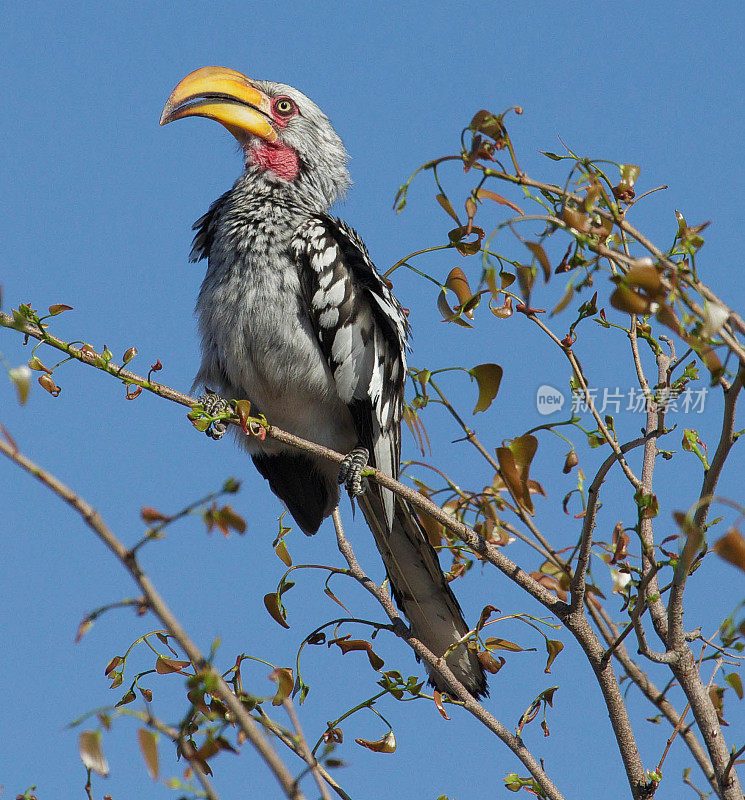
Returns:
<point x="731" y="547"/>
<point x="504" y="311"/>
<point x="514" y="462"/>
<point x="497" y="198"/>
<point x="447" y="206"/>
<point x="285" y="682"/>
<point x="91" y="754"/>
<point x="625" y="299"/>
<point x="385" y="745"/>
<point x="164" y="666"/>
<point x="438" y="703"/>
<point x="149" y="749"/>
<point x="553" y="648"/>
<point x="493" y="643"/>
<point x="576" y="219"/>
<point x="282" y="553"/>
<point x="489" y="663"/>
<point x="349" y="645"/>
<point x="540" y="256"/>
<point x="457" y="282"/>
<point x="112" y="665"/>
<point x="272" y="605"/>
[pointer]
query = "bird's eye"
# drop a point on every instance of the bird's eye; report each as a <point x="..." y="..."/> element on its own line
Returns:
<point x="284" y="106"/>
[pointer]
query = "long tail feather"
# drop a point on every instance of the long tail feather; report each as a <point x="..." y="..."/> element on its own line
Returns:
<point x="420" y="589"/>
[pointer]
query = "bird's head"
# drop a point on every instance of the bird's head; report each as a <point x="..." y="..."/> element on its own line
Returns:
<point x="285" y="137"/>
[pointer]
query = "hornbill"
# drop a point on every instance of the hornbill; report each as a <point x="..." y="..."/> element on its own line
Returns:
<point x="295" y="318"/>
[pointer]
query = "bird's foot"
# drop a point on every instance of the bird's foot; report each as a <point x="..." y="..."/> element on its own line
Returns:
<point x="350" y="471"/>
<point x="214" y="404"/>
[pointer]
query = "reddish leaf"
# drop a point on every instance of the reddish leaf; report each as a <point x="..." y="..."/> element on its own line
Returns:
<point x="440" y="707"/>
<point x="164" y="666"/>
<point x="129" y="355"/>
<point x="497" y="198"/>
<point x="150" y="515"/>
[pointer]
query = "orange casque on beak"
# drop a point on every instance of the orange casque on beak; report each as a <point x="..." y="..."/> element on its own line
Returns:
<point x="224" y="95"/>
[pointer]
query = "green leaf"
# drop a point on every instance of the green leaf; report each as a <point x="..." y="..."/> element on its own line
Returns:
<point x="692" y="444"/>
<point x="734" y="680"/>
<point x="488" y="377"/>
<point x="553" y="648"/>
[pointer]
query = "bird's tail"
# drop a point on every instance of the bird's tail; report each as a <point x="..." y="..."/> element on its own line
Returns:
<point x="420" y="588"/>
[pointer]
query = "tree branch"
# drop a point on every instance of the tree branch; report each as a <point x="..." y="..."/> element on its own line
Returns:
<point x="515" y="744"/>
<point x="156" y="603"/>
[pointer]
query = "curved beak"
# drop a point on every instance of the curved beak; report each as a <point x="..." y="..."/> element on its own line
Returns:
<point x="226" y="96"/>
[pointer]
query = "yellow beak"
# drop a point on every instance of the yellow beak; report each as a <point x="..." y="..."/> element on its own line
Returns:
<point x="226" y="96"/>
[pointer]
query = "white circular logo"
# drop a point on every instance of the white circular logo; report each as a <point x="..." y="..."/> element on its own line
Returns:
<point x="548" y="400"/>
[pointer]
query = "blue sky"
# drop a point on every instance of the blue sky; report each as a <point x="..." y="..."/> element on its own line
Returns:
<point x="98" y="204"/>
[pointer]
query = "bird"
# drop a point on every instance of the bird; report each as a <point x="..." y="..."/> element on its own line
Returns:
<point x="295" y="318"/>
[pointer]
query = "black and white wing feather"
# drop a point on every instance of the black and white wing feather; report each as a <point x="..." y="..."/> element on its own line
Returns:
<point x="361" y="327"/>
<point x="363" y="334"/>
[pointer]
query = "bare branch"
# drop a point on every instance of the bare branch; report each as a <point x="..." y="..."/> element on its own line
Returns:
<point x="708" y="487"/>
<point x="610" y="633"/>
<point x="588" y="524"/>
<point x="515" y="744"/>
<point x="163" y="612"/>
<point x="302" y="742"/>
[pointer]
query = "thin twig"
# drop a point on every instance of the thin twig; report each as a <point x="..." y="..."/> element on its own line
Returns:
<point x="578" y="584"/>
<point x="163" y="612"/>
<point x="610" y="633"/>
<point x="308" y="757"/>
<point x="439" y="664"/>
<point x="708" y="487"/>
